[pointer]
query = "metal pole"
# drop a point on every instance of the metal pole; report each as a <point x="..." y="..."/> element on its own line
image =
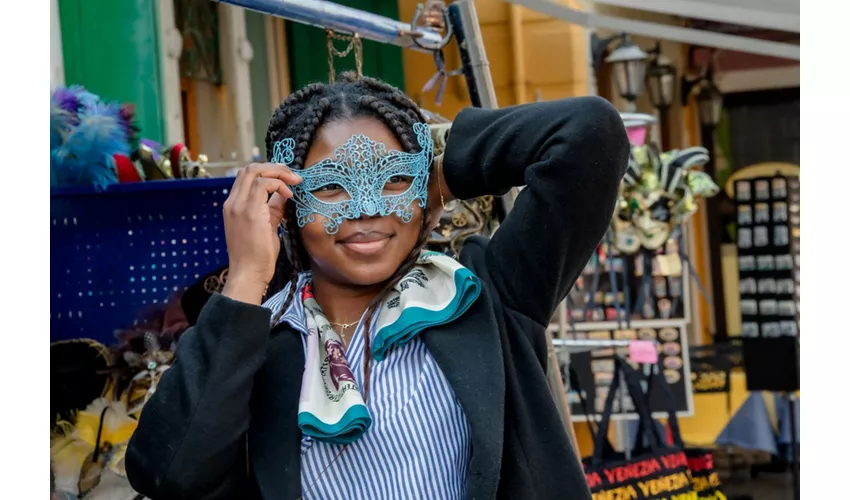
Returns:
<point x="476" y="68"/>
<point x="795" y="447"/>
<point x="664" y="128"/>
<point x="715" y="236"/>
<point x="623" y="441"/>
<point x="324" y="14"/>
<point x="473" y="56"/>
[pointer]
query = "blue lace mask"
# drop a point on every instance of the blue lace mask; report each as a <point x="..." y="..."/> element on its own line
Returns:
<point x="361" y="179"/>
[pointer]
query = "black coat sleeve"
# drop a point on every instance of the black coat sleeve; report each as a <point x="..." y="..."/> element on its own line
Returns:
<point x="190" y="441"/>
<point x="570" y="155"/>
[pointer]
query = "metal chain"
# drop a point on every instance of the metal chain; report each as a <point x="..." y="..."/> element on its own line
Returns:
<point x="354" y="43"/>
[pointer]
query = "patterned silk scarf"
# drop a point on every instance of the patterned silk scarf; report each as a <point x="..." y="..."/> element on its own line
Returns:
<point x="331" y="408"/>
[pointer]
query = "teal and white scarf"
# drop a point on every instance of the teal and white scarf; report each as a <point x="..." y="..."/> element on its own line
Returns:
<point x="435" y="292"/>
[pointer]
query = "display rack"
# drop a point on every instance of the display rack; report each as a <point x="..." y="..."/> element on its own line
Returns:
<point x="768" y="241"/>
<point x="580" y="352"/>
<point x="613" y="335"/>
<point x="562" y="326"/>
<point x="566" y="348"/>
<point x="117" y="254"/>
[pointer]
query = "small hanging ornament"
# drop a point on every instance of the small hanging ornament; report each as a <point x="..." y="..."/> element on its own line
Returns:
<point x="354" y="44"/>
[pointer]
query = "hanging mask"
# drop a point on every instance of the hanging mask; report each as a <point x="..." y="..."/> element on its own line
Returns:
<point x="626" y="237"/>
<point x="658" y="193"/>
<point x="362" y="178"/>
<point x="654" y="225"/>
<point x="701" y="184"/>
<point x="676" y="165"/>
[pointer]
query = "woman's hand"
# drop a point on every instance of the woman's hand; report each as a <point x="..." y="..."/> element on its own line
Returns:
<point x="251" y="219"/>
<point x="438" y="193"/>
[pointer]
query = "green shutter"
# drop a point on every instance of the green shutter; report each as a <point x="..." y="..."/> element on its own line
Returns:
<point x="308" y="55"/>
<point x="112" y="48"/>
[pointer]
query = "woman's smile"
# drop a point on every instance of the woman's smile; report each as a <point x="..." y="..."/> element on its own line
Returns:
<point x="365" y="243"/>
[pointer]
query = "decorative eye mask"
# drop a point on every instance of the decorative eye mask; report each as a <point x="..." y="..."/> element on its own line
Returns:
<point x="362" y="168"/>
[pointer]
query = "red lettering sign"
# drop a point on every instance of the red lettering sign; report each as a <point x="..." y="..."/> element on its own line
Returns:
<point x="593" y="479"/>
<point x="634" y="470"/>
<point x="674" y="461"/>
<point x="704" y="462"/>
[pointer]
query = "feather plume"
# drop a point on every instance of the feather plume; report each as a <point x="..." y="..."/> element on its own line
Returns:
<point x="67" y="98"/>
<point x="75" y="99"/>
<point x="61" y="124"/>
<point x="87" y="100"/>
<point x="86" y="156"/>
<point x="58" y="127"/>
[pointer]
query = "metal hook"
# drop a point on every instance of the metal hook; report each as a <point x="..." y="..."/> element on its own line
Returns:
<point x="432" y="25"/>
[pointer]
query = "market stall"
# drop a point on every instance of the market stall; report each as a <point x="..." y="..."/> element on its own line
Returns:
<point x="137" y="246"/>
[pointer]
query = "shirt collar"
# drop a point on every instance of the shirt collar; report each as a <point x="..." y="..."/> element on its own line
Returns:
<point x="294" y="314"/>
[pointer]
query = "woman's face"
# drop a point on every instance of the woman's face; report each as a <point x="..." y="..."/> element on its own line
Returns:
<point x="367" y="250"/>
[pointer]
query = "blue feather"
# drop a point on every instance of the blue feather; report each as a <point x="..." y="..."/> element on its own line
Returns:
<point x="87" y="100"/>
<point x="85" y="158"/>
<point x="61" y="123"/>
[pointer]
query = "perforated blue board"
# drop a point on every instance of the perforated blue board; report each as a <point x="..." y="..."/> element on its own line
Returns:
<point x="116" y="253"/>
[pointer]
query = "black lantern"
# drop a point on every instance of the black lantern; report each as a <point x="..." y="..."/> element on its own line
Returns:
<point x="661" y="80"/>
<point x="628" y="65"/>
<point x="709" y="102"/>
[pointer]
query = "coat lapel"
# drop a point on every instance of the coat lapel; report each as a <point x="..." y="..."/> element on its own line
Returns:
<point x="469" y="354"/>
<point x="274" y="440"/>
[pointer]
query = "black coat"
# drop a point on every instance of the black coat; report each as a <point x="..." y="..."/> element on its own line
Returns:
<point x="234" y="388"/>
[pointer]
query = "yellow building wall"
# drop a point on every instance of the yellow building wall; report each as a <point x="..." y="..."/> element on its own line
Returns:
<point x="552" y="58"/>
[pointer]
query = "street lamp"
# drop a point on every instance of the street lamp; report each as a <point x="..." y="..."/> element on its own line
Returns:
<point x="628" y="64"/>
<point x="661" y="84"/>
<point x="661" y="79"/>
<point x="709" y="102"/>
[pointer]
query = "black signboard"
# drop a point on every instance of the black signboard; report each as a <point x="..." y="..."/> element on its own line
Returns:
<point x="768" y="216"/>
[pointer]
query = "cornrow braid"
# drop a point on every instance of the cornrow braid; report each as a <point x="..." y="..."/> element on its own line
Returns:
<point x="395" y="97"/>
<point x="305" y="139"/>
<point x="300" y="116"/>
<point x="391" y="117"/>
<point x="296" y="267"/>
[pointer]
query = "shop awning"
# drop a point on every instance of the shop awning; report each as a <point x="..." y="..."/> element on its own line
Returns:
<point x="767" y="14"/>
<point x="780" y="15"/>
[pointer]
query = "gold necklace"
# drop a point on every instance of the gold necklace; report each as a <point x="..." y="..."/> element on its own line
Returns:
<point x="344" y="326"/>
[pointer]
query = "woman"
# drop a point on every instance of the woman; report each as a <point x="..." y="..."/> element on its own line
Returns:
<point x="450" y="396"/>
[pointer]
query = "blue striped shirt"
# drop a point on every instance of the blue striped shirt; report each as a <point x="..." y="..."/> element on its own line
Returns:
<point x="419" y="444"/>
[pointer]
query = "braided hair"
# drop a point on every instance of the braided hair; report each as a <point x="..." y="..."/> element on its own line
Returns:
<point x="299" y="116"/>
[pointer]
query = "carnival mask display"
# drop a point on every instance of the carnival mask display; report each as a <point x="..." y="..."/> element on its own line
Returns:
<point x="461" y="218"/>
<point x="658" y="193"/>
<point x="360" y="174"/>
